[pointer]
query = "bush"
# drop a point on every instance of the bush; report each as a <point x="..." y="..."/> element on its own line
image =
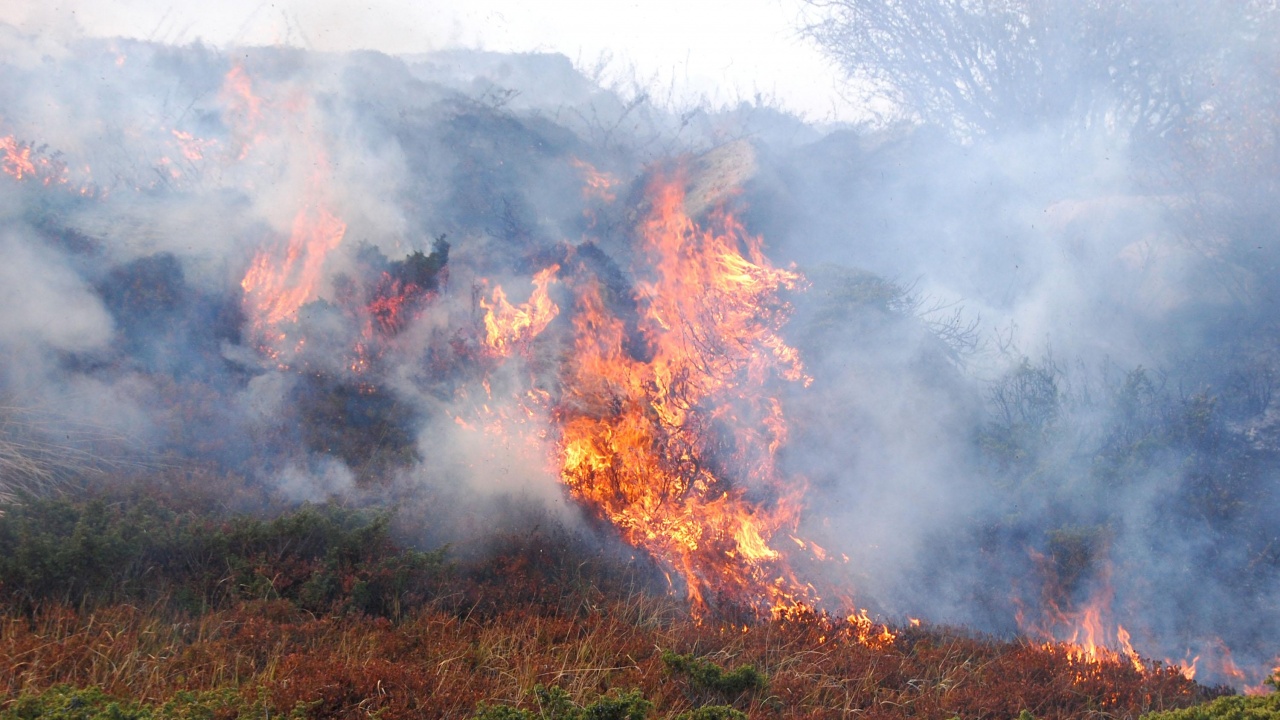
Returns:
<point x="713" y="712"/>
<point x="706" y="674"/>
<point x="322" y="558"/>
<point x="65" y="703"/>
<point x="1235" y="707"/>
<point x="555" y="704"/>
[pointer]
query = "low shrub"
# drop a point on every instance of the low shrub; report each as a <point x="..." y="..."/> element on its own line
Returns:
<point x="708" y="675"/>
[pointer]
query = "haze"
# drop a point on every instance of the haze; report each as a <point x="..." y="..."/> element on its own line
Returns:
<point x="695" y="49"/>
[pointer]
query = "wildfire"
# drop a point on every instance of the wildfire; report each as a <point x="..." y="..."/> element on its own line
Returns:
<point x="244" y="109"/>
<point x="23" y="161"/>
<point x="506" y="324"/>
<point x="675" y="444"/>
<point x="598" y="185"/>
<point x="639" y="441"/>
<point x="192" y="148"/>
<point x="275" y="287"/>
<point x="17" y="158"/>
<point x="1087" y="632"/>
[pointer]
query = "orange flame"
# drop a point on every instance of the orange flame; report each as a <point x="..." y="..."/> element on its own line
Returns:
<point x="599" y="185"/>
<point x="17" y="159"/>
<point x="193" y="148"/>
<point x="244" y="109"/>
<point x="389" y="309"/>
<point x="1186" y="666"/>
<point x="665" y="424"/>
<point x="25" y="161"/>
<point x="638" y="438"/>
<point x="506" y="324"/>
<point x="276" y="287"/>
<point x="1085" y="632"/>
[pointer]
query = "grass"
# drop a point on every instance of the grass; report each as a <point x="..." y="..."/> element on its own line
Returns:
<point x="540" y="619"/>
<point x="438" y="663"/>
<point x="32" y="463"/>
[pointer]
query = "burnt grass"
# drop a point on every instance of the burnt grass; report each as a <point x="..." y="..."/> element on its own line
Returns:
<point x="171" y="598"/>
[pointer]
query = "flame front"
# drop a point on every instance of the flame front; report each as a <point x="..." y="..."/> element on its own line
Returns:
<point x="275" y="287"/>
<point x="506" y="324"/>
<point x="675" y="444"/>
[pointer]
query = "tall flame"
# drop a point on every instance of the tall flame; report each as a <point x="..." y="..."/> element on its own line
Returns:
<point x="243" y="109"/>
<point x="275" y="287"/>
<point x="645" y="441"/>
<point x="667" y="424"/>
<point x="506" y="324"/>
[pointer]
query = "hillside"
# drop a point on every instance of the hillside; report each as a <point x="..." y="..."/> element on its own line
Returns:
<point x="336" y="383"/>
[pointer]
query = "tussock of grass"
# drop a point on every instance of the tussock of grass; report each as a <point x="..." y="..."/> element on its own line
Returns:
<point x="33" y="463"/>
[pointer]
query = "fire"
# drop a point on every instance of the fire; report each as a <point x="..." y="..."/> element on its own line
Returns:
<point x="244" y="109"/>
<point x="640" y="441"/>
<point x="388" y="310"/>
<point x="665" y="423"/>
<point x="275" y="287"/>
<point x="1087" y="631"/>
<point x="675" y="443"/>
<point x="506" y="324"/>
<point x="17" y="159"/>
<point x="598" y="185"/>
<point x="193" y="148"/>
<point x="1186" y="666"/>
<point x="23" y="161"/>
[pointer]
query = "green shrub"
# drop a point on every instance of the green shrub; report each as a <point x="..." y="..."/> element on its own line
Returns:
<point x="556" y="704"/>
<point x="713" y="712"/>
<point x="706" y="674"/>
<point x="322" y="558"/>
<point x="1234" y="707"/>
<point x="63" y="702"/>
<point x="66" y="703"/>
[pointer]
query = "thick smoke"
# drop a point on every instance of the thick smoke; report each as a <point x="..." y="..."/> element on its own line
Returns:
<point x="1039" y="321"/>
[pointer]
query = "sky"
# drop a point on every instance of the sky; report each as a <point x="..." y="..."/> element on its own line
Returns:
<point x="722" y="49"/>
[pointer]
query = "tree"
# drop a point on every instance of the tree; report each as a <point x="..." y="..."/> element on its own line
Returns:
<point x="981" y="67"/>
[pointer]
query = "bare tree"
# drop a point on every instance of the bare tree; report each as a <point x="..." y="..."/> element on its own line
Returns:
<point x="982" y="67"/>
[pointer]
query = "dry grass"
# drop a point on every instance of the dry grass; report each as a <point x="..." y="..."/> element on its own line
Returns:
<point x="34" y="462"/>
<point x="438" y="663"/>
<point x="532" y="609"/>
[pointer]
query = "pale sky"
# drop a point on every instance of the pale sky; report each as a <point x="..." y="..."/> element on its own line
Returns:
<point x="724" y="49"/>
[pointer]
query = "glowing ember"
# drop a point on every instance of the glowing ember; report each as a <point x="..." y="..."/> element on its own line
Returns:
<point x="389" y="308"/>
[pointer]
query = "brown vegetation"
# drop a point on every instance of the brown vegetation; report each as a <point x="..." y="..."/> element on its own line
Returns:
<point x="537" y="610"/>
